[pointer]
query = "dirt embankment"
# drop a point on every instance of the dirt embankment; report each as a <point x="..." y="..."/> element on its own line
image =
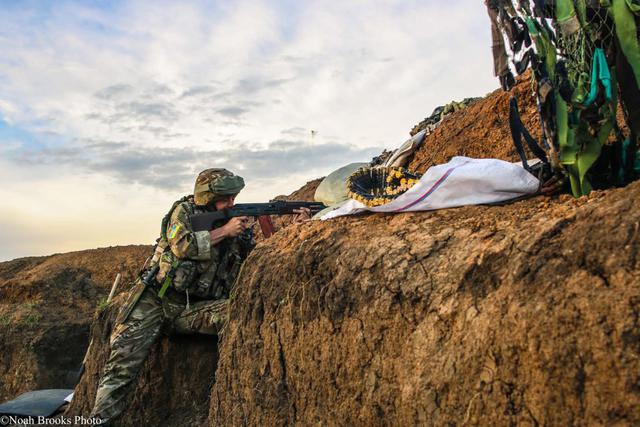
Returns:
<point x="49" y="312"/>
<point x="46" y="307"/>
<point x="524" y="314"/>
<point x="480" y="130"/>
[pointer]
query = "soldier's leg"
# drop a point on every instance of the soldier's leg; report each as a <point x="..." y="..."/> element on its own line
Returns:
<point x="130" y="345"/>
<point x="204" y="317"/>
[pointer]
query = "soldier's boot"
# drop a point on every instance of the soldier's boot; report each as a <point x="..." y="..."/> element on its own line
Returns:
<point x="205" y="317"/>
<point x="131" y="342"/>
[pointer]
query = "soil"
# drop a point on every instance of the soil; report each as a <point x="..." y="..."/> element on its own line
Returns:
<point x="480" y="130"/>
<point x="46" y="307"/>
<point x="523" y="314"/>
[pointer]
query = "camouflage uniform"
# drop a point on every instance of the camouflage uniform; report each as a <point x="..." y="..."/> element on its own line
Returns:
<point x="199" y="276"/>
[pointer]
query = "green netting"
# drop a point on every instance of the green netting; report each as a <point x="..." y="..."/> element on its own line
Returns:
<point x="574" y="50"/>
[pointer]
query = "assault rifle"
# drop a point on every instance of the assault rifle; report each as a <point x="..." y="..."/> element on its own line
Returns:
<point x="206" y="221"/>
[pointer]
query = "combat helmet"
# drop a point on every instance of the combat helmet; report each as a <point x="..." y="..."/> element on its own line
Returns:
<point x="216" y="183"/>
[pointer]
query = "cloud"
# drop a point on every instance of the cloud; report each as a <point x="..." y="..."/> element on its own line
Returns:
<point x="135" y="93"/>
<point x="114" y="91"/>
<point x="156" y="130"/>
<point x="251" y="86"/>
<point x="195" y="68"/>
<point x="232" y="111"/>
<point x="295" y="131"/>
<point x="148" y="111"/>
<point x="174" y="168"/>
<point x="198" y="91"/>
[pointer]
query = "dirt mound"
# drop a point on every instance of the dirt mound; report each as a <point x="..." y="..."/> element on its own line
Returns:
<point x="517" y="314"/>
<point x="304" y="193"/>
<point x="46" y="307"/>
<point x="480" y="130"/>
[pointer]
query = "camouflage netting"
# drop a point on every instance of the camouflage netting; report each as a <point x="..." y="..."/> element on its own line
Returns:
<point x="584" y="55"/>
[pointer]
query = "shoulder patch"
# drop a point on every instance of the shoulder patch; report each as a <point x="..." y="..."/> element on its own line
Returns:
<point x="174" y="231"/>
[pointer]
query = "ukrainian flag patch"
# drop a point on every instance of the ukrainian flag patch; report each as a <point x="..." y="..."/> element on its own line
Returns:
<point x="174" y="231"/>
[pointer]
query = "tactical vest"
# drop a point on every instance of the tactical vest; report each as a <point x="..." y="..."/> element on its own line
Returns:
<point x="208" y="279"/>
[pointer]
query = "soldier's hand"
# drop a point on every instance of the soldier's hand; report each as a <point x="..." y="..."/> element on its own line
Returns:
<point x="304" y="215"/>
<point x="236" y="225"/>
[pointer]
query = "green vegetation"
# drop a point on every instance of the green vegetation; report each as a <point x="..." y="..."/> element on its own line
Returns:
<point x="31" y="319"/>
<point x="102" y="304"/>
<point x="5" y="320"/>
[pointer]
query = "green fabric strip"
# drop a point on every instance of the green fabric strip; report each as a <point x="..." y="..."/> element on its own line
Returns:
<point x="566" y="17"/>
<point x="591" y="147"/>
<point x="545" y="50"/>
<point x="626" y="32"/>
<point x="599" y="73"/>
<point x="634" y="6"/>
<point x="168" y="280"/>
<point x="566" y="139"/>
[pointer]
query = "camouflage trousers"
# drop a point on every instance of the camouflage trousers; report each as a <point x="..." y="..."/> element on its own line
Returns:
<point x="132" y="340"/>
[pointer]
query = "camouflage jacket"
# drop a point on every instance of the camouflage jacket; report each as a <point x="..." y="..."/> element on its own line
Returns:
<point x="198" y="267"/>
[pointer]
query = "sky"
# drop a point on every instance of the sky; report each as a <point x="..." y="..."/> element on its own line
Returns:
<point x="109" y="109"/>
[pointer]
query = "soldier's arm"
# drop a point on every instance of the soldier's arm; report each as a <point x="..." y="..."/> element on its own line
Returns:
<point x="188" y="244"/>
<point x="183" y="241"/>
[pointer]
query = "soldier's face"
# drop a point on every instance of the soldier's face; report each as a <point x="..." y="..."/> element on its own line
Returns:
<point x="225" y="203"/>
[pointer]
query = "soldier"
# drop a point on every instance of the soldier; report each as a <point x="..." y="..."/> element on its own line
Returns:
<point x="194" y="273"/>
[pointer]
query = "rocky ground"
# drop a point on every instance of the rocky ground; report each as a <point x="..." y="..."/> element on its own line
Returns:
<point x="522" y="314"/>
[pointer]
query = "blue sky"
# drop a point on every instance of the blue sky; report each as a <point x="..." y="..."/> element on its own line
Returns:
<point x="14" y="133"/>
<point x="110" y="108"/>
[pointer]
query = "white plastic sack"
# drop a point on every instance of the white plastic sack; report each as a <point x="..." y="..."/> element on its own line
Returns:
<point x="333" y="189"/>
<point x="401" y="156"/>
<point x="462" y="181"/>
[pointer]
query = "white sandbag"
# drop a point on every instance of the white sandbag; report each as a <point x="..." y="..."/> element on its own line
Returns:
<point x="402" y="155"/>
<point x="463" y="181"/>
<point x="333" y="189"/>
<point x="330" y="208"/>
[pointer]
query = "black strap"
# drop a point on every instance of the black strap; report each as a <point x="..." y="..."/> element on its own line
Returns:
<point x="520" y="35"/>
<point x="564" y="85"/>
<point x="523" y="64"/>
<point x="507" y="81"/>
<point x="518" y="131"/>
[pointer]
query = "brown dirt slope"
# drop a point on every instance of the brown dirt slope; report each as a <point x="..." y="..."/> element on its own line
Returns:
<point x="524" y="314"/>
<point x="481" y="130"/>
<point x="304" y="193"/>
<point x="46" y="306"/>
